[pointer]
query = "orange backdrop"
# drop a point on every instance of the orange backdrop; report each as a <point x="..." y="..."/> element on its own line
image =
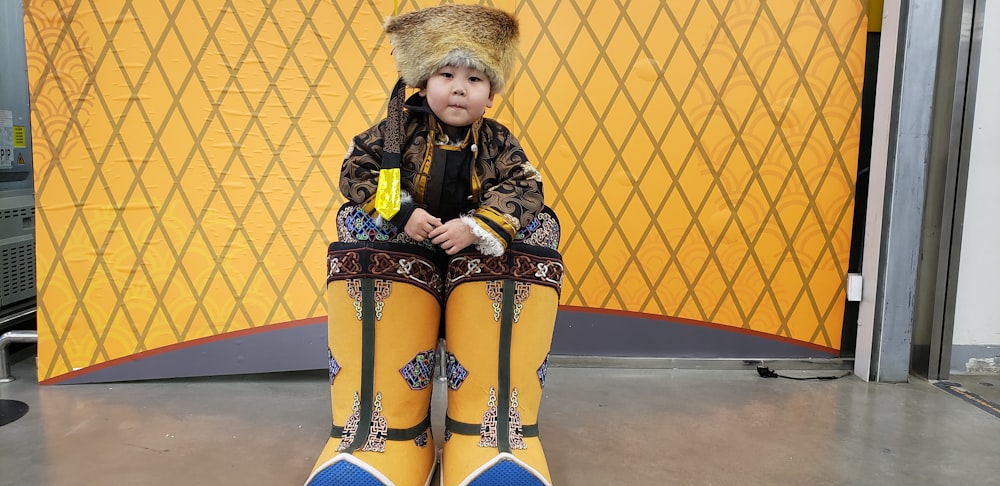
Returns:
<point x="701" y="155"/>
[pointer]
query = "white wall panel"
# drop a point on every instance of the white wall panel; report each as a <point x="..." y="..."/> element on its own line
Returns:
<point x="977" y="313"/>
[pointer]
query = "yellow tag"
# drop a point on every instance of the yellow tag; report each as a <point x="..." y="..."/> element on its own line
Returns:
<point x="387" y="196"/>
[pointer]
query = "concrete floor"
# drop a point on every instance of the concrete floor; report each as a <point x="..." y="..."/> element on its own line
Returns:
<point x="599" y="427"/>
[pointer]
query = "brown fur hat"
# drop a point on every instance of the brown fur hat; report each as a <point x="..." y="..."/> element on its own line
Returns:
<point x="474" y="36"/>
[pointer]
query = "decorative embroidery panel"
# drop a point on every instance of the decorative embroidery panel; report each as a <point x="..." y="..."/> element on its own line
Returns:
<point x="406" y="267"/>
<point x="543" y="231"/>
<point x="488" y="429"/>
<point x="462" y="268"/>
<point x="349" y="262"/>
<point x="341" y="265"/>
<point x="419" y="372"/>
<point x="547" y="272"/>
<point x="354" y="292"/>
<point x="382" y="290"/>
<point x="355" y="226"/>
<point x="353" y="263"/>
<point x="351" y="426"/>
<point x="516" y="431"/>
<point x="513" y="264"/>
<point x="494" y="290"/>
<point x="456" y="372"/>
<point x="378" y="432"/>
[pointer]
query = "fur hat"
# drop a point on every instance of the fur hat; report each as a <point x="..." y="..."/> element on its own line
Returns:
<point x="474" y="36"/>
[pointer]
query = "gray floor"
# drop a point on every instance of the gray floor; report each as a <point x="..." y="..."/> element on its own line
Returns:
<point x="599" y="427"/>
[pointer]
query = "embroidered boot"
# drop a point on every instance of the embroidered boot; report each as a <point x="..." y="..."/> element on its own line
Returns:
<point x="499" y="318"/>
<point x="384" y="308"/>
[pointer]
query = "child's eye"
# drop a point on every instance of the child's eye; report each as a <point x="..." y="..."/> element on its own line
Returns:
<point x="445" y="74"/>
<point x="475" y="79"/>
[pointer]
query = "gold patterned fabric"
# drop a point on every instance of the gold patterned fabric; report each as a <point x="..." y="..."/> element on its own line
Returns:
<point x="506" y="190"/>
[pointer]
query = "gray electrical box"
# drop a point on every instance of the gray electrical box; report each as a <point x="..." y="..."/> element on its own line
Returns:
<point x="17" y="195"/>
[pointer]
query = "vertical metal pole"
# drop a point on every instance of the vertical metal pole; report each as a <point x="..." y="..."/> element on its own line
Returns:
<point x="887" y="314"/>
<point x="967" y="57"/>
<point x="865" y="345"/>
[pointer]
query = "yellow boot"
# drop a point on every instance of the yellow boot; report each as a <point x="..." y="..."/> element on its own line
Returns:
<point x="384" y="308"/>
<point x="499" y="318"/>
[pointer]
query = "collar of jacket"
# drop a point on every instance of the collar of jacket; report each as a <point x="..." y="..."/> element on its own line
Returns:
<point x="418" y="104"/>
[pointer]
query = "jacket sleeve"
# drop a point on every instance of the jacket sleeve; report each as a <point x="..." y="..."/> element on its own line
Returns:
<point x="360" y="170"/>
<point x="511" y="193"/>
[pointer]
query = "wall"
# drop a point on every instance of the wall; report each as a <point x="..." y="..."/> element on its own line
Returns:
<point x="976" y="339"/>
<point x="701" y="156"/>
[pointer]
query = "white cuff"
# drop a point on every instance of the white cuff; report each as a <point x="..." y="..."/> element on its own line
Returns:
<point x="487" y="244"/>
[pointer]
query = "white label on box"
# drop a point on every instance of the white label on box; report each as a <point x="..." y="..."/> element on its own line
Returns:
<point x="6" y="139"/>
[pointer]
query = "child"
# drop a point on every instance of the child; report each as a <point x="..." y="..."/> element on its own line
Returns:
<point x="445" y="215"/>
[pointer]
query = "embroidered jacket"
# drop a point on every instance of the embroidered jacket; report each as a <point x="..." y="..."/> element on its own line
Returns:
<point x="502" y="193"/>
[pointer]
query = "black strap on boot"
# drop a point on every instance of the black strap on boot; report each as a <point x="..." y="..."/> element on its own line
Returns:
<point x="367" y="366"/>
<point x="396" y="434"/>
<point x="465" y="428"/>
<point x="503" y="399"/>
<point x="503" y="380"/>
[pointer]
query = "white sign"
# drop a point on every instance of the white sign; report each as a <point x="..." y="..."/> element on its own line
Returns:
<point x="6" y="139"/>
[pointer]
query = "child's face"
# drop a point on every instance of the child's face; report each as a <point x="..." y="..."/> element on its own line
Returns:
<point x="458" y="95"/>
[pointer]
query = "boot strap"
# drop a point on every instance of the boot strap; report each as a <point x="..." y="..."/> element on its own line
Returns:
<point x="394" y="434"/>
<point x="465" y="428"/>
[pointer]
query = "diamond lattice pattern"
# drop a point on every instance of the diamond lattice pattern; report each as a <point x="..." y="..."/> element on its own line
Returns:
<point x="701" y="155"/>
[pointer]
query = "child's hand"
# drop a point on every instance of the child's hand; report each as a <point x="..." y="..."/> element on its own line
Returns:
<point x="420" y="224"/>
<point x="453" y="236"/>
